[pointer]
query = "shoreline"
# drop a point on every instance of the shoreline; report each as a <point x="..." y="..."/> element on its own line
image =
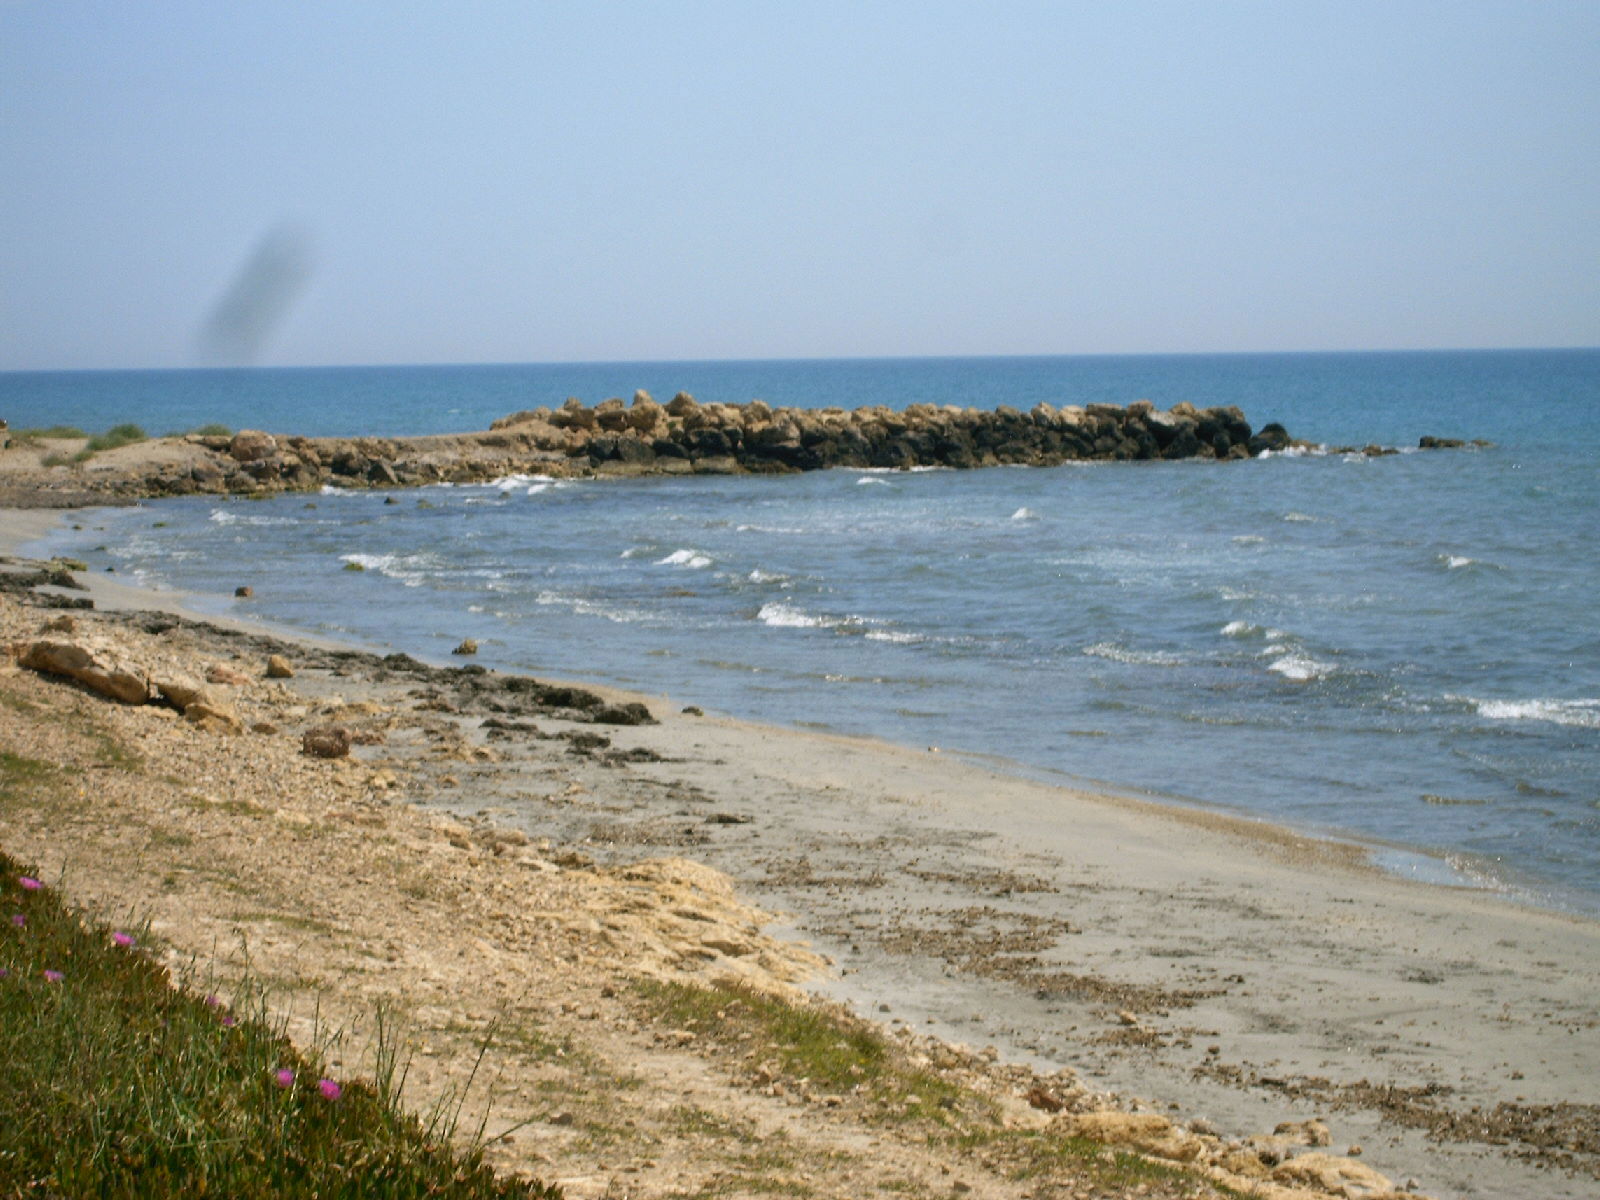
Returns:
<point x="1115" y="936"/>
<point x="1414" y="863"/>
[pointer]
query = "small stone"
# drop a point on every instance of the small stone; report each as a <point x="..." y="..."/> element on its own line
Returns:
<point x="243" y="592"/>
<point x="691" y="710"/>
<point x="223" y="673"/>
<point x="278" y="667"/>
<point x="326" y="741"/>
<point x="62" y="624"/>
<point x="467" y="646"/>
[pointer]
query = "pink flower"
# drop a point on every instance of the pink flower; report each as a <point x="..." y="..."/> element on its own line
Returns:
<point x="228" y="1021"/>
<point x="329" y="1088"/>
<point x="53" y="977"/>
<point x="213" y="1002"/>
<point x="284" y="1077"/>
<point x="4" y="974"/>
<point x="18" y="920"/>
<point x="29" y="883"/>
<point x="122" y="939"/>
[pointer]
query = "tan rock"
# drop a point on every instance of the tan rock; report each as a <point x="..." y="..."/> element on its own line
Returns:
<point x="1149" y="1133"/>
<point x="180" y="691"/>
<point x="95" y="668"/>
<point x="1340" y="1176"/>
<point x="278" y="667"/>
<point x="251" y="445"/>
<point x="223" y="673"/>
<point x="217" y="718"/>
<point x="1307" y="1133"/>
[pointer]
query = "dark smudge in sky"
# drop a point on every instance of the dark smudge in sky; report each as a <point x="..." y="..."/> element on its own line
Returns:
<point x="259" y="298"/>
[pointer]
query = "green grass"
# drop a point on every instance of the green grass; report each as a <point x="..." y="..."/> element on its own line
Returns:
<point x="28" y="437"/>
<point x="117" y="435"/>
<point x="822" y="1049"/>
<point x="115" y="1082"/>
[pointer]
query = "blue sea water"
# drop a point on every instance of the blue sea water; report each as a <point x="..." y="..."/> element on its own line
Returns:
<point x="1403" y="648"/>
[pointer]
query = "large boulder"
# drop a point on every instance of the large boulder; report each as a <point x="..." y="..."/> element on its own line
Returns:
<point x="251" y="445"/>
<point x="97" y="668"/>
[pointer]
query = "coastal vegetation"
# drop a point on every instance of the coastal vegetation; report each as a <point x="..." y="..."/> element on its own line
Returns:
<point x="120" y="1082"/>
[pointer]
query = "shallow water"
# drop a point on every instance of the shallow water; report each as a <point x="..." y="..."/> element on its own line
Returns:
<point x="1405" y="647"/>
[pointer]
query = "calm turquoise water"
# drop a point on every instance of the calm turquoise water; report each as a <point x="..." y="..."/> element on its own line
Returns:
<point x="1406" y="648"/>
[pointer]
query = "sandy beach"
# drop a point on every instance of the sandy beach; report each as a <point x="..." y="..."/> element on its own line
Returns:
<point x="477" y="855"/>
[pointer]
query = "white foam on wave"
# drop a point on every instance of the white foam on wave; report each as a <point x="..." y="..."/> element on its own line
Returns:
<point x="510" y="483"/>
<point x="760" y="576"/>
<point x="891" y="635"/>
<point x="1578" y="714"/>
<point x="1024" y="514"/>
<point x="1299" y="518"/>
<point x="1295" y="452"/>
<point x="1300" y="668"/>
<point x="588" y="608"/>
<point x="869" y="479"/>
<point x="328" y="489"/>
<point x="783" y="616"/>
<point x="403" y="567"/>
<point x="1240" y="629"/>
<point x="1249" y="539"/>
<point x="1142" y="658"/>
<point x="695" y="560"/>
<point x="222" y="516"/>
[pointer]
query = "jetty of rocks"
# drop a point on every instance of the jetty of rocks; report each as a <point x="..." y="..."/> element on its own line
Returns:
<point x="684" y="437"/>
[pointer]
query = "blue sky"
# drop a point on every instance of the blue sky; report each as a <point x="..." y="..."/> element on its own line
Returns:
<point x="563" y="182"/>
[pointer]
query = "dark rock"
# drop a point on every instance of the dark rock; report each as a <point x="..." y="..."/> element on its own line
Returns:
<point x="632" y="713"/>
<point x="1272" y="437"/>
<point x="326" y="741"/>
<point x="1439" y="443"/>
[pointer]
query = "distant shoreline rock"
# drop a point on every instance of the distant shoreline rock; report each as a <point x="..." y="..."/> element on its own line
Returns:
<point x="682" y="437"/>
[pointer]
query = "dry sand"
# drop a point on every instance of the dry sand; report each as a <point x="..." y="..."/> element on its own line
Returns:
<point x="1224" y="972"/>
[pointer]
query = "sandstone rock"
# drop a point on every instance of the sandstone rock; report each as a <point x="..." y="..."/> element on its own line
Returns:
<point x="681" y="405"/>
<point x="62" y="624"/>
<point x="217" y="718"/>
<point x="251" y="445"/>
<point x="94" y="667"/>
<point x="1340" y="1176"/>
<point x="1307" y="1133"/>
<point x="326" y="741"/>
<point x="278" y="667"/>
<point x="467" y="646"/>
<point x="1149" y="1133"/>
<point x="611" y="415"/>
<point x="224" y="674"/>
<point x="180" y="691"/>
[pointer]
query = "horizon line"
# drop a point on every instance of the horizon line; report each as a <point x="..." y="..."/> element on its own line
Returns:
<point x="856" y="358"/>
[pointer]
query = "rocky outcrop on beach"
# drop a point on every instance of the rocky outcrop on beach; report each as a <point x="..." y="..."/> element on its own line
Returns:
<point x="681" y="437"/>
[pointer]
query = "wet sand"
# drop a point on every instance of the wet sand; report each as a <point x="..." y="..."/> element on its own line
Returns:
<point x="1220" y="970"/>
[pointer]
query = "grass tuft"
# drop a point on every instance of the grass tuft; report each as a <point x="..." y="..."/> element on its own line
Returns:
<point x="118" y="1083"/>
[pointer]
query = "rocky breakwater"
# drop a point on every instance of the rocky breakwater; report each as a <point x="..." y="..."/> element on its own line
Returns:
<point x="678" y="438"/>
<point x="684" y="436"/>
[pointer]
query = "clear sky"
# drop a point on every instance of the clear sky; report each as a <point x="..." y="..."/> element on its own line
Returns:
<point x="393" y="182"/>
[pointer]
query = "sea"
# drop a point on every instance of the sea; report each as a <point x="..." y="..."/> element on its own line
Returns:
<point x="1402" y="651"/>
